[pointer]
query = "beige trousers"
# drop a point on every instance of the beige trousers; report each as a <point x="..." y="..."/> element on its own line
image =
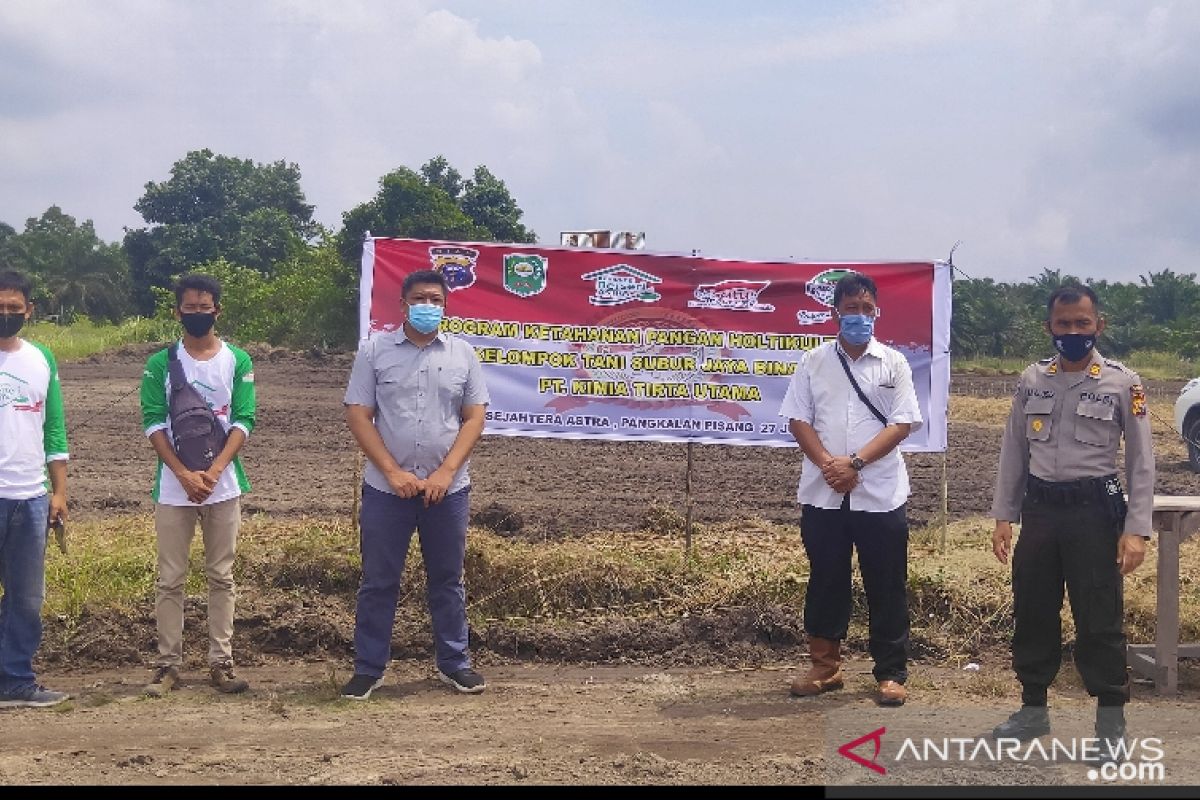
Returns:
<point x="175" y="527"/>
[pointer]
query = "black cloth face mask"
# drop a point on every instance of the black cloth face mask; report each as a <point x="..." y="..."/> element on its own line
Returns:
<point x="11" y="324"/>
<point x="199" y="323"/>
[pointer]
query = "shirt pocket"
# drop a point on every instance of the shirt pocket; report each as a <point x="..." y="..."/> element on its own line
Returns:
<point x="1094" y="423"/>
<point x="885" y="399"/>
<point x="397" y="387"/>
<point x="1039" y="413"/>
<point x="451" y="383"/>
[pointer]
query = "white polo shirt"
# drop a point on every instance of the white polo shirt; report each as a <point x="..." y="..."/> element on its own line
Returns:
<point x="821" y="395"/>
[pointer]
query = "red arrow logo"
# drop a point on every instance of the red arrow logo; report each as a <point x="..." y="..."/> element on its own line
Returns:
<point x="875" y="736"/>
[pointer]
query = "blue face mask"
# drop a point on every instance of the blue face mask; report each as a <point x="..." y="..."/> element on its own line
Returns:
<point x="1075" y="346"/>
<point x="857" y="328"/>
<point x="425" y="317"/>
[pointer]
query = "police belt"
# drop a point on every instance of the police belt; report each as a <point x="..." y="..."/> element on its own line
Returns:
<point x="1079" y="492"/>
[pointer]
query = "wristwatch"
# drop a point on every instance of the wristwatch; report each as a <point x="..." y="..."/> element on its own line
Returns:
<point x="856" y="463"/>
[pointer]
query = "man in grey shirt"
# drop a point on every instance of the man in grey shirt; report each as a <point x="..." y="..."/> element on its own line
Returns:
<point x="415" y="404"/>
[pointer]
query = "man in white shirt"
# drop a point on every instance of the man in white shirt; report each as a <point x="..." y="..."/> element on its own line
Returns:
<point x="853" y="490"/>
<point x="33" y="447"/>
<point x="185" y="495"/>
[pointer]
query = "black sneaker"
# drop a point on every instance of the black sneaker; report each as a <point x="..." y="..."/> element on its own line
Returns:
<point x="360" y="687"/>
<point x="465" y="680"/>
<point x="33" y="696"/>
<point x="1028" y="723"/>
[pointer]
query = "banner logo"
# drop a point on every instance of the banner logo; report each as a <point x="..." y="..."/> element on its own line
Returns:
<point x="622" y="283"/>
<point x="525" y="275"/>
<point x="821" y="289"/>
<point x="731" y="295"/>
<point x="456" y="264"/>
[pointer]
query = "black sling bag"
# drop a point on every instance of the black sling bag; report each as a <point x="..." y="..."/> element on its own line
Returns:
<point x="197" y="434"/>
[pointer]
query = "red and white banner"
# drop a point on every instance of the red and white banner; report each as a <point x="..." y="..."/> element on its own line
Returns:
<point x="633" y="345"/>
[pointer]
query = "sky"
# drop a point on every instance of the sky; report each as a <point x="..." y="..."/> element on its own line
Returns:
<point x="1041" y="135"/>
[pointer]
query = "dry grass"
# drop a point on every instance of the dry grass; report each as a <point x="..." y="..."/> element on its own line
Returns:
<point x="980" y="410"/>
<point x="961" y="601"/>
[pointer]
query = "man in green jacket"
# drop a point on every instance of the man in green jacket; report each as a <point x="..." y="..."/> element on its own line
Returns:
<point x="33" y="442"/>
<point x="224" y="377"/>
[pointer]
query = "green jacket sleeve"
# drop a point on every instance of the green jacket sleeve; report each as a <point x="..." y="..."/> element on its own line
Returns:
<point x="154" y="393"/>
<point x="243" y="403"/>
<point x="54" y="425"/>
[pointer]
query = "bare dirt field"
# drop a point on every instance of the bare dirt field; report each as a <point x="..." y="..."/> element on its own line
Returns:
<point x="301" y="459"/>
<point x="610" y="707"/>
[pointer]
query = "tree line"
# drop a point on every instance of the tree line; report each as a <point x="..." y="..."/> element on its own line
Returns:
<point x="288" y="280"/>
<point x="1158" y="313"/>
<point x="292" y="281"/>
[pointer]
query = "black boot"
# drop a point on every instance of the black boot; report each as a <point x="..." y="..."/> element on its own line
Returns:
<point x="1029" y="722"/>
<point x="1110" y="730"/>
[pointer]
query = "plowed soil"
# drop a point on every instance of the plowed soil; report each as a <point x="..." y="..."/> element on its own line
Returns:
<point x="302" y="460"/>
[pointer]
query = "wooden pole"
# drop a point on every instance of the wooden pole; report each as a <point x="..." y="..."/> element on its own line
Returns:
<point x="945" y="502"/>
<point x="687" y="524"/>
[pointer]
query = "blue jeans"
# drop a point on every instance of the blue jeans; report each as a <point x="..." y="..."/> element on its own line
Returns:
<point x="386" y="525"/>
<point x="23" y="581"/>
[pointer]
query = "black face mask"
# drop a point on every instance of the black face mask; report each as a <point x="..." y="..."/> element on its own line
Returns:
<point x="1075" y="346"/>
<point x="10" y="324"/>
<point x="199" y="323"/>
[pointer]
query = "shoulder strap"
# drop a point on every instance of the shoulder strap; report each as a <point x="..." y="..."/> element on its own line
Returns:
<point x="175" y="368"/>
<point x="858" y="388"/>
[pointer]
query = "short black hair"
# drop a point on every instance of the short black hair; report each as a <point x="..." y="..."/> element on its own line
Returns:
<point x="852" y="284"/>
<point x="199" y="283"/>
<point x="423" y="276"/>
<point x="11" y="279"/>
<point x="1072" y="293"/>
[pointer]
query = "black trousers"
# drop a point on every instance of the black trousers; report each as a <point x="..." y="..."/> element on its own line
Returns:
<point x="881" y="539"/>
<point x="1075" y="545"/>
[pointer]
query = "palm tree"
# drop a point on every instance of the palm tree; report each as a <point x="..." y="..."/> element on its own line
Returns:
<point x="74" y="271"/>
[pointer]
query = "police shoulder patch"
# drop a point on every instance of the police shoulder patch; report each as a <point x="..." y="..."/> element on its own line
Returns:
<point x="1137" y="400"/>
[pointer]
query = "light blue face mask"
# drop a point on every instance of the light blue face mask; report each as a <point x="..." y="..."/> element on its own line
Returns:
<point x="857" y="328"/>
<point x="425" y="317"/>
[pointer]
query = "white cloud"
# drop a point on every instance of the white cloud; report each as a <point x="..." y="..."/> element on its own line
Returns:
<point x="1059" y="134"/>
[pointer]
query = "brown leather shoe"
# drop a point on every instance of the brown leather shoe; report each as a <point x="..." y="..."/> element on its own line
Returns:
<point x="826" y="672"/>
<point x="892" y="693"/>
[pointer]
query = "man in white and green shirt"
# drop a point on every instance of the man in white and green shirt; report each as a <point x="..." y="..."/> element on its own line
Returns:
<point x="224" y="376"/>
<point x="33" y="442"/>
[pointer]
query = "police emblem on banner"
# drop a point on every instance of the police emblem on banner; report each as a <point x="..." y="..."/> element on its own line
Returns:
<point x="525" y="275"/>
<point x="456" y="264"/>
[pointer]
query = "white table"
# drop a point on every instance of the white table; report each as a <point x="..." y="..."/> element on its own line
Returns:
<point x="1175" y="519"/>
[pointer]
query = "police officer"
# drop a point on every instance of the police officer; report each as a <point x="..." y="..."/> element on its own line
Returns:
<point x="1058" y="477"/>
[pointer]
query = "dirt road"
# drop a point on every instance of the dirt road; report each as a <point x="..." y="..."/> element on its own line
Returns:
<point x="551" y="724"/>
